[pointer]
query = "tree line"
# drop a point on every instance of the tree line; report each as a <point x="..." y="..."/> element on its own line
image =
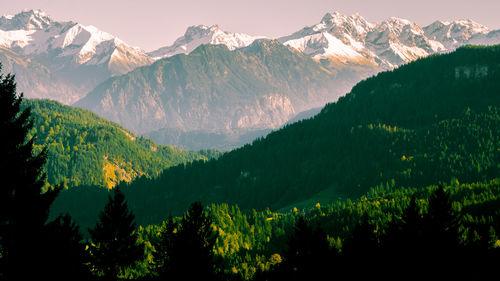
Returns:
<point x="412" y="228"/>
<point x="420" y="124"/>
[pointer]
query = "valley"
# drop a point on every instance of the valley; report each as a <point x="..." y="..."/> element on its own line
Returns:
<point x="348" y="147"/>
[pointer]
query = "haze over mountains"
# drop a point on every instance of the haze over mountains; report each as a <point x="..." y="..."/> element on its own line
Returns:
<point x="236" y="84"/>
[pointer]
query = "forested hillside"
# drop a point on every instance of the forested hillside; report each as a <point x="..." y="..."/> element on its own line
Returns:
<point x="399" y="177"/>
<point x="85" y="149"/>
<point x="256" y="245"/>
<point x="424" y="123"/>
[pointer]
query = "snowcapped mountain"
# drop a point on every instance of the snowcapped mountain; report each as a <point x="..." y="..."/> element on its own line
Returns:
<point x="396" y="41"/>
<point x="336" y="37"/>
<point x="83" y="55"/>
<point x="351" y="40"/>
<point x="454" y="34"/>
<point x="202" y="34"/>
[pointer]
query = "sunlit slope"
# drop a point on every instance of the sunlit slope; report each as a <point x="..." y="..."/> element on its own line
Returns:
<point x="85" y="149"/>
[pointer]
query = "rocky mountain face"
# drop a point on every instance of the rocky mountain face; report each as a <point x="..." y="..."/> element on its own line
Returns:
<point x="215" y="89"/>
<point x="36" y="80"/>
<point x="82" y="56"/>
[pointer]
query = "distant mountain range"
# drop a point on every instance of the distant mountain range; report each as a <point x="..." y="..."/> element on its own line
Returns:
<point x="234" y="85"/>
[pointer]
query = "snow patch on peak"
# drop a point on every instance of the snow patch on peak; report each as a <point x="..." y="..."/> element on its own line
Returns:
<point x="202" y="34"/>
<point x="26" y="20"/>
<point x="388" y="43"/>
<point x="66" y="44"/>
<point x="456" y="33"/>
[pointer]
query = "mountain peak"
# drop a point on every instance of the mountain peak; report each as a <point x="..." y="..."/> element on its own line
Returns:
<point x="395" y="21"/>
<point x="471" y="25"/>
<point x="197" y="35"/>
<point x="455" y="33"/>
<point x="333" y="18"/>
<point x="196" y="29"/>
<point x="27" y="20"/>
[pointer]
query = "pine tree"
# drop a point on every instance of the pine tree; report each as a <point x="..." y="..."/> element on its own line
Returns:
<point x="24" y="204"/>
<point x="114" y="242"/>
<point x="163" y="248"/>
<point x="363" y="240"/>
<point x="403" y="245"/>
<point x="66" y="251"/>
<point x="403" y="236"/>
<point x="307" y="255"/>
<point x="440" y="233"/>
<point x="191" y="256"/>
<point x="361" y="249"/>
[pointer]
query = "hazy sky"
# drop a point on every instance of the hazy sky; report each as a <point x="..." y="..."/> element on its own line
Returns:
<point x="151" y="24"/>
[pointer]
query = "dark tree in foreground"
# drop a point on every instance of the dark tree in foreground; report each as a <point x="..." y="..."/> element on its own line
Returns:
<point x="403" y="237"/>
<point x="308" y="254"/>
<point x="114" y="242"/>
<point x="363" y="242"/>
<point x="24" y="205"/>
<point x="190" y="255"/>
<point x="66" y="251"/>
<point x="360" y="252"/>
<point x="163" y="248"/>
<point x="441" y="224"/>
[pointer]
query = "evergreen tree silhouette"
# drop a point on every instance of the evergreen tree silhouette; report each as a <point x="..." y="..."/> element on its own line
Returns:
<point x="66" y="251"/>
<point x="363" y="240"/>
<point x="440" y="234"/>
<point x="403" y="237"/>
<point x="361" y="249"/>
<point x="24" y="204"/>
<point x="441" y="223"/>
<point x="191" y="255"/>
<point x="308" y="254"/>
<point x="403" y="245"/>
<point x="114" y="242"/>
<point x="163" y="248"/>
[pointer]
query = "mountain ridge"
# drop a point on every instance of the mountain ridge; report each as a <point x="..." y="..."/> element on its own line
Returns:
<point x="386" y="44"/>
<point x="201" y="34"/>
<point x="216" y="89"/>
<point x="85" y="56"/>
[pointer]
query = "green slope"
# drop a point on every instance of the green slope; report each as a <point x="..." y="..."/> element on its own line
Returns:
<point x="85" y="149"/>
<point x="424" y="123"/>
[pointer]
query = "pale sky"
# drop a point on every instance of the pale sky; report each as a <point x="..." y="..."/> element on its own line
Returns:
<point x="151" y="24"/>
